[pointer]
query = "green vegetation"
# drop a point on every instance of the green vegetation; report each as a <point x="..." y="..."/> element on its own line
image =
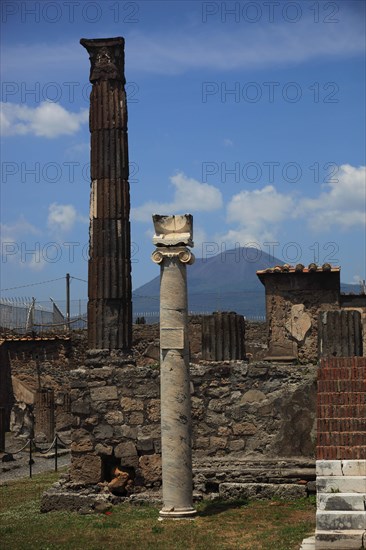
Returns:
<point x="256" y="525"/>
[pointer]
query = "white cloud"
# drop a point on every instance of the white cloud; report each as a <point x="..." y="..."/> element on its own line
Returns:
<point x="35" y="262"/>
<point x="177" y="51"/>
<point x="12" y="231"/>
<point x="189" y="196"/>
<point x="228" y="142"/>
<point x="48" y="120"/>
<point x="257" y="215"/>
<point x="199" y="237"/>
<point x="215" y="46"/>
<point x="342" y="204"/>
<point x="61" y="217"/>
<point x="15" y="248"/>
<point x="81" y="149"/>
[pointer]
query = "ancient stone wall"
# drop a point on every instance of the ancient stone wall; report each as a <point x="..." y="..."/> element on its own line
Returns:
<point x="259" y="411"/>
<point x="33" y="362"/>
<point x="146" y="344"/>
<point x="47" y="359"/>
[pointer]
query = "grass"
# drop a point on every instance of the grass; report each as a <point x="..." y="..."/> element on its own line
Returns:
<point x="256" y="525"/>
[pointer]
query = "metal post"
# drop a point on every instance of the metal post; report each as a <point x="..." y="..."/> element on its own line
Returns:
<point x="68" y="300"/>
<point x="2" y="428"/>
<point x="56" y="448"/>
<point x="30" y="457"/>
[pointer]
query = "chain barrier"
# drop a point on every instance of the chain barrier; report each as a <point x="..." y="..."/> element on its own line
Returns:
<point x="33" y="448"/>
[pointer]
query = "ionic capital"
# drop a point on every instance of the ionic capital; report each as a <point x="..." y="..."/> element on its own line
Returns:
<point x="182" y="253"/>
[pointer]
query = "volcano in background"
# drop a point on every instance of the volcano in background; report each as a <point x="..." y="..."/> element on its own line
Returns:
<point x="225" y="282"/>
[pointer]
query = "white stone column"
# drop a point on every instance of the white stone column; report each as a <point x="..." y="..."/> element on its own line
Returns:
<point x="176" y="427"/>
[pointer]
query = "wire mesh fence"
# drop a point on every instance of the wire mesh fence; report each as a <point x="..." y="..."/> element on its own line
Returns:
<point x="29" y="315"/>
<point x="25" y="314"/>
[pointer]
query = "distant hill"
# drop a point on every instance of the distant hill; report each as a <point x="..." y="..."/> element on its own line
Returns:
<point x="223" y="282"/>
<point x="226" y="282"/>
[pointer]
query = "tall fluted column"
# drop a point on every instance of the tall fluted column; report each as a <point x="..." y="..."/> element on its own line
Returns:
<point x="109" y="281"/>
<point x="172" y="233"/>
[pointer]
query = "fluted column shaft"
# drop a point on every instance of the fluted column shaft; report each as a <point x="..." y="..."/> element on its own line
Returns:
<point x="109" y="281"/>
<point x="176" y="427"/>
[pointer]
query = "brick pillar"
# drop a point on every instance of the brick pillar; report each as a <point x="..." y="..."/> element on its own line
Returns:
<point x="109" y="290"/>
<point x="340" y="333"/>
<point x="44" y="412"/>
<point x="341" y="453"/>
<point x="223" y="337"/>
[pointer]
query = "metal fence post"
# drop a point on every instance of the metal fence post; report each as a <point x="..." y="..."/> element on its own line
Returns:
<point x="56" y="448"/>
<point x="30" y="457"/>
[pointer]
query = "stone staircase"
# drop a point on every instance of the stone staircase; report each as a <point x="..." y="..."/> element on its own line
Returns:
<point x="341" y="505"/>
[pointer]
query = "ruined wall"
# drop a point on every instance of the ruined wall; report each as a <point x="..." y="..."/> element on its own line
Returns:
<point x="54" y="359"/>
<point x="293" y="301"/>
<point x="240" y="411"/>
<point x="146" y="344"/>
<point x="47" y="359"/>
<point x="256" y="343"/>
<point x="33" y="361"/>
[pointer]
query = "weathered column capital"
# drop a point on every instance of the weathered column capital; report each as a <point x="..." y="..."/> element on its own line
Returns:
<point x="107" y="58"/>
<point x="173" y="231"/>
<point x="182" y="253"/>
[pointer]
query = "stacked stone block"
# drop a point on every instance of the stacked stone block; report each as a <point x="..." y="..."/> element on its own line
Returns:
<point x="341" y="453"/>
<point x="116" y="421"/>
<point x="116" y="411"/>
<point x="252" y="428"/>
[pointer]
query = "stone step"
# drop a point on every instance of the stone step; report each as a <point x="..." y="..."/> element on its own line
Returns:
<point x="332" y="520"/>
<point x="341" y="467"/>
<point x="339" y="540"/>
<point x="341" y="501"/>
<point x="341" y="484"/>
<point x="308" y="544"/>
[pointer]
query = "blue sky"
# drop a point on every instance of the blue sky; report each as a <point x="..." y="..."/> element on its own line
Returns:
<point x="249" y="115"/>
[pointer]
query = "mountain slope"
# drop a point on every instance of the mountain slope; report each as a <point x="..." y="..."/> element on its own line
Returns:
<point x="227" y="281"/>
